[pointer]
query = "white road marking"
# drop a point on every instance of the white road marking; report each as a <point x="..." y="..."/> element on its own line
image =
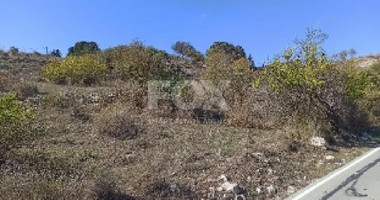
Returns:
<point x="304" y="193"/>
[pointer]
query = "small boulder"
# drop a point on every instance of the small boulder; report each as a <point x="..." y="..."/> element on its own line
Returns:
<point x="291" y="190"/>
<point x="329" y="157"/>
<point x="271" y="190"/>
<point x="318" y="141"/>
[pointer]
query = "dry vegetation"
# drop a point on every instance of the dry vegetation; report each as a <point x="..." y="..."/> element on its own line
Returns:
<point x="99" y="141"/>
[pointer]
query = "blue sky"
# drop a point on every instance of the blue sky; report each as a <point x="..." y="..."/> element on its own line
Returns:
<point x="263" y="27"/>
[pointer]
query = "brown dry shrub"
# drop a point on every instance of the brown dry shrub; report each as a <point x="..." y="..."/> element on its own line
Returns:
<point x="106" y="189"/>
<point x="59" y="100"/>
<point x="27" y="90"/>
<point x="6" y="81"/>
<point x="132" y="93"/>
<point x="40" y="188"/>
<point x="24" y="89"/>
<point x="117" y="124"/>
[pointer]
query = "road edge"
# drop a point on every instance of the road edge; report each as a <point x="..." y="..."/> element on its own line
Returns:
<point x="319" y="182"/>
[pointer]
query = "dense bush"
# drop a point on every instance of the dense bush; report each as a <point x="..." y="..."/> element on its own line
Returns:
<point x="75" y="70"/>
<point x="236" y="52"/>
<point x="371" y="100"/>
<point x="117" y="125"/>
<point x="83" y="48"/>
<point x="15" y="121"/>
<point x="222" y="67"/>
<point x="140" y="63"/>
<point x="239" y="75"/>
<point x="310" y="87"/>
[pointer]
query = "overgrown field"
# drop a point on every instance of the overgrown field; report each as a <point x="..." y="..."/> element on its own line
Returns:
<point x="89" y="127"/>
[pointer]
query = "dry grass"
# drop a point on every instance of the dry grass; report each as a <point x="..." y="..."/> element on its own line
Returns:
<point x="162" y="154"/>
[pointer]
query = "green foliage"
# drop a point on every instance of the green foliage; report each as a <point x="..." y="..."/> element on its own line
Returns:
<point x="185" y="49"/>
<point x="83" y="48"/>
<point x="75" y="69"/>
<point x="236" y="52"/>
<point x="307" y="84"/>
<point x="357" y="83"/>
<point x="140" y="63"/>
<point x="302" y="67"/>
<point x="56" y="53"/>
<point x="374" y="76"/>
<point x="371" y="99"/>
<point x="219" y="66"/>
<point x="14" y="119"/>
<point x="292" y="74"/>
<point x="222" y="67"/>
<point x="12" y="111"/>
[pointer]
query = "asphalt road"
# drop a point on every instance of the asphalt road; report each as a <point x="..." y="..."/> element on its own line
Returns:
<point x="359" y="179"/>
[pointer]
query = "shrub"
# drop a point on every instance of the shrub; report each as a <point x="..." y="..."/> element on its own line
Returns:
<point x="117" y="125"/>
<point x="75" y="70"/>
<point x="83" y="48"/>
<point x="57" y="100"/>
<point x="222" y="67"/>
<point x="140" y="63"/>
<point x="238" y="94"/>
<point x="105" y="189"/>
<point x="13" y="51"/>
<point x="6" y="80"/>
<point x="26" y="90"/>
<point x="357" y="82"/>
<point x="236" y="52"/>
<point x="56" y="53"/>
<point x="15" y="121"/>
<point x="371" y="99"/>
<point x="308" y="85"/>
<point x="218" y="67"/>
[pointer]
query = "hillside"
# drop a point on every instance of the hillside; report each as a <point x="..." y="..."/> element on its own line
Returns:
<point x="98" y="141"/>
<point x="367" y="61"/>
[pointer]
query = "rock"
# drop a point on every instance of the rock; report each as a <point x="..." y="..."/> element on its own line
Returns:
<point x="174" y="188"/>
<point x="258" y="156"/>
<point x="291" y="190"/>
<point x="318" y="141"/>
<point x="258" y="190"/>
<point x="226" y="185"/>
<point x="271" y="190"/>
<point x="329" y="157"/>
<point x="239" y="191"/>
<point x="230" y="187"/>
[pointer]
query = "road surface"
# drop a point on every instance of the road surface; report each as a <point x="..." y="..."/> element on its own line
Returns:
<point x="360" y="179"/>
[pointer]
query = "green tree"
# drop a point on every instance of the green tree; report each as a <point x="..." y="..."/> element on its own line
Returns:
<point x="185" y="49"/>
<point x="308" y="85"/>
<point x="56" y="53"/>
<point x="236" y="52"/>
<point x="82" y="48"/>
<point x="250" y="59"/>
